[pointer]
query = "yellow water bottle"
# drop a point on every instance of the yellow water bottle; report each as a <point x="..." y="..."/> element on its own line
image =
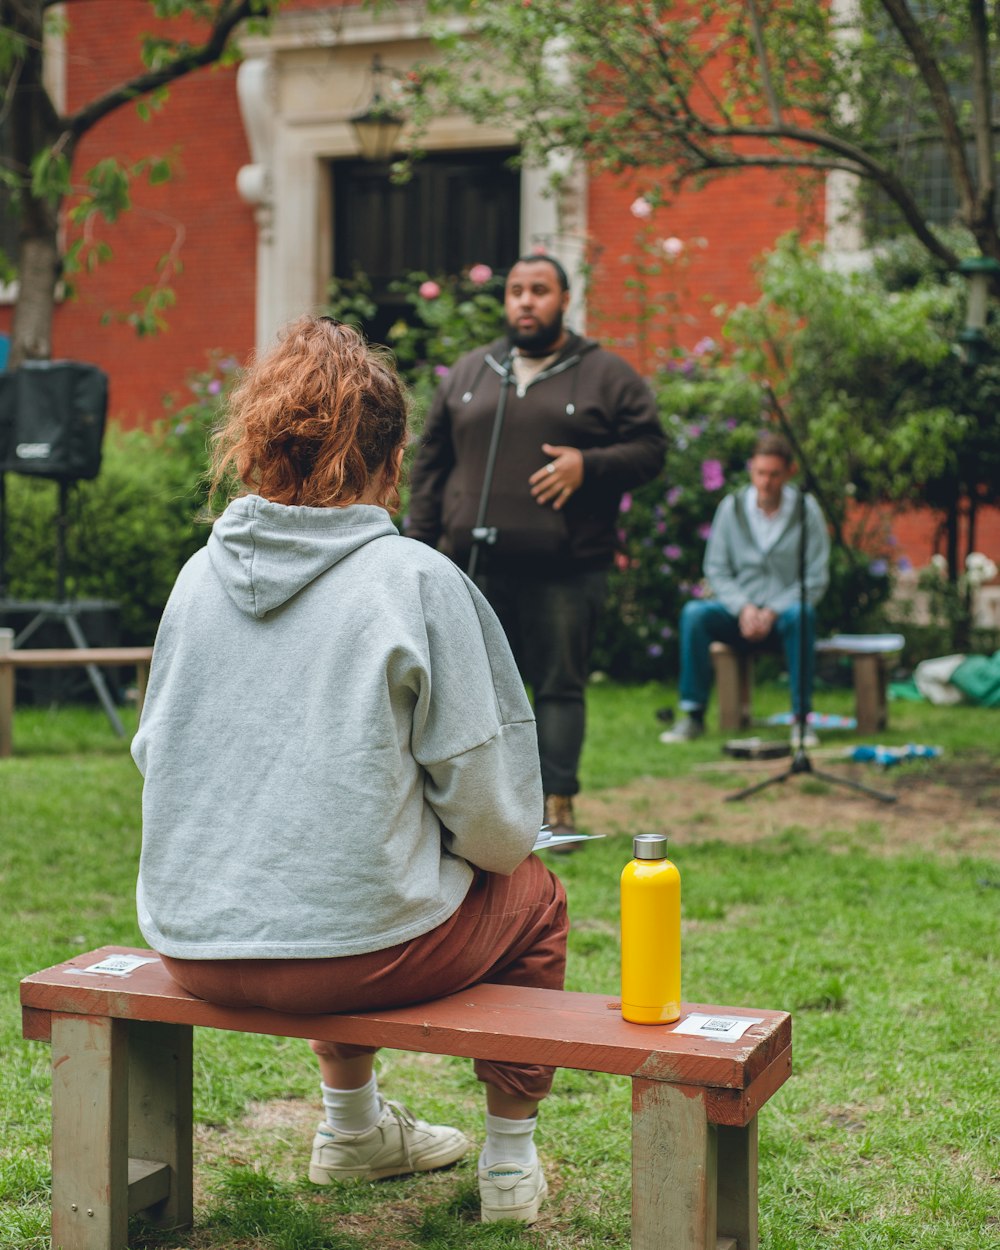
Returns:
<point x="651" y="933"/>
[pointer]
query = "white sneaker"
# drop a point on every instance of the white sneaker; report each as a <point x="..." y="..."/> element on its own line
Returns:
<point x="511" y="1191"/>
<point x="809" y="740"/>
<point x="687" y="729"/>
<point x="398" y="1144"/>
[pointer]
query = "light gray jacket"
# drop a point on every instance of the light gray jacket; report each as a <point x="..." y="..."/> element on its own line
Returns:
<point x="334" y="731"/>
<point x="740" y="573"/>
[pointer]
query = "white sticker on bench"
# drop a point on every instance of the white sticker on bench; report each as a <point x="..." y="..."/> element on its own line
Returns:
<point x="720" y="1028"/>
<point x="117" y="965"/>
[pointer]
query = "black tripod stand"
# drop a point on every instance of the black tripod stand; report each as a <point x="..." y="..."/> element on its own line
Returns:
<point x="801" y="762"/>
<point x="61" y="609"/>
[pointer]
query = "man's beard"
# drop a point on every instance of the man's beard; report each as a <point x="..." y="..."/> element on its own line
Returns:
<point x="538" y="341"/>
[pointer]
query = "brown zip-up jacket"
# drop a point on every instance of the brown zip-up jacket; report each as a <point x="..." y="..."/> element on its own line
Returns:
<point x="587" y="398"/>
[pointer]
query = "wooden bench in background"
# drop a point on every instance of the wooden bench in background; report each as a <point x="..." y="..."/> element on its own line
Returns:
<point x="56" y="657"/>
<point x="122" y="1090"/>
<point x="734" y="679"/>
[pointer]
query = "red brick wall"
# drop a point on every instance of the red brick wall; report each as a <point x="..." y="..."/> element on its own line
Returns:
<point x="199" y="211"/>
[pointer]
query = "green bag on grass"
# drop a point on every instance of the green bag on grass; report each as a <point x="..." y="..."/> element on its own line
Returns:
<point x="978" y="678"/>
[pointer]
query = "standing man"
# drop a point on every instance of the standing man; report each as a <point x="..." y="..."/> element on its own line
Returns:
<point x="579" y="427"/>
<point x="752" y="567"/>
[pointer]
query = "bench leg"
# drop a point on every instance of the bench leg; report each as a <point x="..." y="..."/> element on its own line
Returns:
<point x="737" y="1209"/>
<point x="674" y="1176"/>
<point x="118" y="1089"/>
<point x="871" y="707"/>
<point x="89" y="1133"/>
<point x="734" y="687"/>
<point x="6" y="711"/>
<point x="160" y="1118"/>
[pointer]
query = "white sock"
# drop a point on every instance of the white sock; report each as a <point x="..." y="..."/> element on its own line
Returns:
<point x="352" y="1110"/>
<point x="509" y="1141"/>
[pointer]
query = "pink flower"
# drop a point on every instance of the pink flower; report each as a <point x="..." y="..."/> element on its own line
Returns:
<point x="673" y="496"/>
<point x="479" y="274"/>
<point x="641" y="208"/>
<point x="704" y="531"/>
<point x="672" y="247"/>
<point x="672" y="551"/>
<point x="626" y="503"/>
<point x="429" y="290"/>
<point x="621" y="561"/>
<point x="712" y="477"/>
<point x="703" y="347"/>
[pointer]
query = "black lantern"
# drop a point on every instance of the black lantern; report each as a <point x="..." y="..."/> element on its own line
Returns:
<point x="377" y="129"/>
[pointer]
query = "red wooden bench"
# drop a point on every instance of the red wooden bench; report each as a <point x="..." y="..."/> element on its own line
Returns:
<point x="122" y="1076"/>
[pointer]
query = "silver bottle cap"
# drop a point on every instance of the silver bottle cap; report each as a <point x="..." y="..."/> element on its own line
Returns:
<point x="650" y="846"/>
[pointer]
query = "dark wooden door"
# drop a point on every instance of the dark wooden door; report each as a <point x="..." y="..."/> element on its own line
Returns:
<point x="458" y="209"/>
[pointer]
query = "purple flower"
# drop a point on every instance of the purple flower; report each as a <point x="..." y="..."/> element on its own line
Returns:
<point x="730" y="423"/>
<point x="622" y="536"/>
<point x="697" y="592"/>
<point x="904" y="565"/>
<point x="661" y="527"/>
<point x="712" y="477"/>
<point x="655" y="650"/>
<point x="703" y="347"/>
<point x="694" y="431"/>
<point x="214" y="387"/>
<point x="878" y="568"/>
<point x="666" y="569"/>
<point x="666" y="632"/>
<point x="441" y="371"/>
<point x="626" y="503"/>
<point x="672" y="551"/>
<point x="674" y="496"/>
<point x="704" y="531"/>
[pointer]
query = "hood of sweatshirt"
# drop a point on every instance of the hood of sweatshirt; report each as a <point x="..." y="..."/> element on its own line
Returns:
<point x="264" y="553"/>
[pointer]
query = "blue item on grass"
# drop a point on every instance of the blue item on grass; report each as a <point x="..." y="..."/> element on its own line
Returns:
<point x="887" y="757"/>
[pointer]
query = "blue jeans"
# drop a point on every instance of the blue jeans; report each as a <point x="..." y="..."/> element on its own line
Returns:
<point x="704" y="621"/>
<point x="550" y="624"/>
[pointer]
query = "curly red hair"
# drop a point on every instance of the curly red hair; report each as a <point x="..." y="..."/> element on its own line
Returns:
<point x="317" y="420"/>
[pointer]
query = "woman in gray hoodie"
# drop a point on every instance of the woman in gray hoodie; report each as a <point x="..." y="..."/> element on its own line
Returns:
<point x="341" y="780"/>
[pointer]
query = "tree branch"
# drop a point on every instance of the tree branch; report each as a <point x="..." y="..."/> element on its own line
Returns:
<point x="230" y="14"/>
<point x="982" y="108"/>
<point x="765" y="70"/>
<point x="930" y="72"/>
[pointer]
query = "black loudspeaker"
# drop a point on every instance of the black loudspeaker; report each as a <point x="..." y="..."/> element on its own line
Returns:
<point x="54" y="413"/>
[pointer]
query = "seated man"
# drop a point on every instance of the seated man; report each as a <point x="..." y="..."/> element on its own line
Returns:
<point x="752" y="566"/>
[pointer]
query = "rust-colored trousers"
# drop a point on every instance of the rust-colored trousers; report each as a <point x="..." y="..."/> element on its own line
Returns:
<point x="510" y="930"/>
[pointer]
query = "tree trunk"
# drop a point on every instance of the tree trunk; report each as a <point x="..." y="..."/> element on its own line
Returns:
<point x="34" y="126"/>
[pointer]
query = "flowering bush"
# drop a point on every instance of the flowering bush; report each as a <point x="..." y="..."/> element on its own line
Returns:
<point x="448" y="317"/>
<point x="712" y="417"/>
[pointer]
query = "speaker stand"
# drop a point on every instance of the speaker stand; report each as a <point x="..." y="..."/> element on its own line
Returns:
<point x="61" y="609"/>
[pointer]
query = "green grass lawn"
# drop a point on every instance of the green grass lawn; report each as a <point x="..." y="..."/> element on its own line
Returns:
<point x="887" y="1134"/>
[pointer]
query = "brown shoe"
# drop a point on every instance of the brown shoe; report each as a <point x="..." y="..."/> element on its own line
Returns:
<point x="560" y="820"/>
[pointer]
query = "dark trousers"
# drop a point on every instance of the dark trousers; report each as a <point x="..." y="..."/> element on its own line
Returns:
<point x="550" y="624"/>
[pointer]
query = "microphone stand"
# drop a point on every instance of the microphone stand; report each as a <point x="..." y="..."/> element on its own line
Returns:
<point x="801" y="762"/>
<point x="483" y="534"/>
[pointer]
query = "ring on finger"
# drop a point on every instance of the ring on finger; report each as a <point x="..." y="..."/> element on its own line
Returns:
<point x="550" y="467"/>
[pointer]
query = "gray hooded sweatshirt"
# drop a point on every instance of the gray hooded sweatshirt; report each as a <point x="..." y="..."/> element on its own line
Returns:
<point x="333" y="734"/>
